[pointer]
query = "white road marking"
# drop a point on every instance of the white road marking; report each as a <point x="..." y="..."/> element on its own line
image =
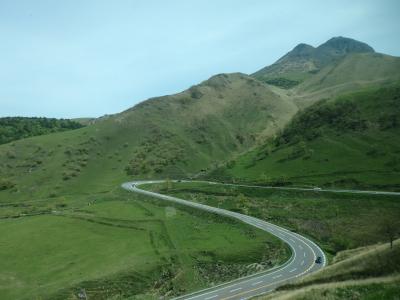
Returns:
<point x="293" y="270"/>
<point x="277" y="276"/>
<point x="211" y="297"/>
<point x="293" y="240"/>
<point x="255" y="283"/>
<point x="304" y="254"/>
<point x="235" y="290"/>
<point x="302" y="263"/>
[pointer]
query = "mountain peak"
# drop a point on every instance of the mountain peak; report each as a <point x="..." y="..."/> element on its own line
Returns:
<point x="305" y="60"/>
<point x="343" y="45"/>
<point x="302" y="47"/>
<point x="302" y="50"/>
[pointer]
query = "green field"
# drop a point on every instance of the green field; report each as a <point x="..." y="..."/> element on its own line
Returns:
<point x="118" y="245"/>
<point x="336" y="221"/>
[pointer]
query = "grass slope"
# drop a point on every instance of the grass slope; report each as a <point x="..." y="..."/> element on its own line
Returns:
<point x="370" y="273"/>
<point x="350" y="141"/>
<point x="176" y="135"/>
<point x="353" y="72"/>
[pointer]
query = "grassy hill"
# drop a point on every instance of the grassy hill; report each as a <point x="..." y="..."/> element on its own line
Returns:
<point x="349" y="141"/>
<point x="176" y="135"/>
<point x="353" y="72"/>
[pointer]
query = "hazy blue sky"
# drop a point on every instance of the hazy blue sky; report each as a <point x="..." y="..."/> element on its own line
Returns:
<point x="88" y="58"/>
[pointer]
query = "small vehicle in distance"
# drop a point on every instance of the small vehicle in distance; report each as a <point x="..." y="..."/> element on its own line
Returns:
<point x="317" y="189"/>
<point x="318" y="260"/>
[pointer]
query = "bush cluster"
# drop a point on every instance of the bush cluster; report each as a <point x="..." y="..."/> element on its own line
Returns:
<point x="14" y="128"/>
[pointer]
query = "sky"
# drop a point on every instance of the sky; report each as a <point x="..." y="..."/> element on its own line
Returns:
<point x="83" y="58"/>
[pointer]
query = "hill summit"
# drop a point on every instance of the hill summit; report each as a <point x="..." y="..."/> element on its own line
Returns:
<point x="305" y="60"/>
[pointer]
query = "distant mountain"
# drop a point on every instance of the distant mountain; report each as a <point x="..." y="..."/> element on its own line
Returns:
<point x="305" y="60"/>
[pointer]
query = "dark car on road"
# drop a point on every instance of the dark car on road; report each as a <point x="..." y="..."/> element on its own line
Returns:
<point x="318" y="260"/>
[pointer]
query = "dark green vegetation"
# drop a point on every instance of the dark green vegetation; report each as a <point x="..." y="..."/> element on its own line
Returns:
<point x="364" y="273"/>
<point x="119" y="244"/>
<point x="282" y="82"/>
<point x="232" y="127"/>
<point x="351" y="141"/>
<point x="337" y="221"/>
<point x="15" y="128"/>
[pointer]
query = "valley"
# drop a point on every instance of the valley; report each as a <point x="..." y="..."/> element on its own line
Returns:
<point x="319" y="118"/>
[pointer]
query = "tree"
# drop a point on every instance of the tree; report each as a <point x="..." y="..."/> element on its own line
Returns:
<point x="391" y="230"/>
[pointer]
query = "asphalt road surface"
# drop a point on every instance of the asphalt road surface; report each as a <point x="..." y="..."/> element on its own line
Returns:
<point x="302" y="262"/>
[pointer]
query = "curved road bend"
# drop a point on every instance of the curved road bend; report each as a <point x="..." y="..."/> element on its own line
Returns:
<point x="304" y="254"/>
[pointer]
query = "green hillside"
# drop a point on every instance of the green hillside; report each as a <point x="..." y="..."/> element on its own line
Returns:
<point x="353" y="72"/>
<point x="176" y="135"/>
<point x="350" y="141"/>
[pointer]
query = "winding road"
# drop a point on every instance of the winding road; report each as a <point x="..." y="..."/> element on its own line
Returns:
<point x="302" y="262"/>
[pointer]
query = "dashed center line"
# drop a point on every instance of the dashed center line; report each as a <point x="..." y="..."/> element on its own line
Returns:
<point x="211" y="297"/>
<point x="235" y="290"/>
<point x="293" y="240"/>
<point x="277" y="276"/>
<point x="293" y="270"/>
<point x="255" y="283"/>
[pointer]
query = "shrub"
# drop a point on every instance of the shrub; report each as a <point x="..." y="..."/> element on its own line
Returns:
<point x="282" y="82"/>
<point x="6" y="184"/>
